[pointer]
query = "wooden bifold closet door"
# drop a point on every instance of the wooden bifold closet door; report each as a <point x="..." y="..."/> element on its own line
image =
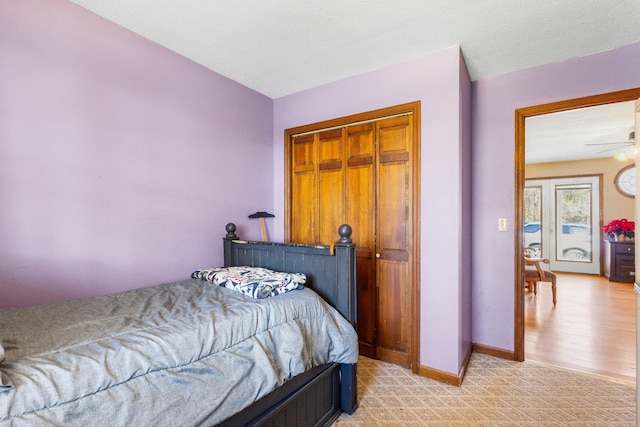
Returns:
<point x="363" y="175"/>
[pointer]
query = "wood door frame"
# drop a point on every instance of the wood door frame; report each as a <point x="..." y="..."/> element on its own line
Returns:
<point x="520" y="115"/>
<point x="408" y="108"/>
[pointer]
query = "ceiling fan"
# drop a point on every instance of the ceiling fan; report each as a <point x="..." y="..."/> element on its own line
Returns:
<point x="625" y="147"/>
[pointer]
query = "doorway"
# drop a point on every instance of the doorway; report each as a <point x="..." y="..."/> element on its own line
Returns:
<point x="521" y="116"/>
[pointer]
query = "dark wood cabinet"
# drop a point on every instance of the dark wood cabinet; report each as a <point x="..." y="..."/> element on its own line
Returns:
<point x="620" y="261"/>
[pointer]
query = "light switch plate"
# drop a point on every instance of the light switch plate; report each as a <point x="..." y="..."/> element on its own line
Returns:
<point x="502" y="224"/>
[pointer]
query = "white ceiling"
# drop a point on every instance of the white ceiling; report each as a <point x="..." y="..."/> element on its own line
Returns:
<point x="583" y="133"/>
<point x="279" y="47"/>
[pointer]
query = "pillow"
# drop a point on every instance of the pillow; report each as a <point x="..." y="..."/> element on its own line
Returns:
<point x="256" y="282"/>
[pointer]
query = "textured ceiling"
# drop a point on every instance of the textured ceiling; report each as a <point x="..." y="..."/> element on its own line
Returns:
<point x="279" y="47"/>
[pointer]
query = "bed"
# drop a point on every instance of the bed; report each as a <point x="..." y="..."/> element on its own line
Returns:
<point x="155" y="356"/>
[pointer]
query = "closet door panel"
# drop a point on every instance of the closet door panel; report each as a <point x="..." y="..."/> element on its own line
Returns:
<point x="393" y="239"/>
<point x="360" y="192"/>
<point x="304" y="189"/>
<point x="393" y="338"/>
<point x="331" y="198"/>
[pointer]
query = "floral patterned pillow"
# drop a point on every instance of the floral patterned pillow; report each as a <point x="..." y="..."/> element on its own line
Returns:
<point x="257" y="282"/>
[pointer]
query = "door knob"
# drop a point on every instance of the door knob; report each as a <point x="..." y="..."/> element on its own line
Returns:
<point x="377" y="255"/>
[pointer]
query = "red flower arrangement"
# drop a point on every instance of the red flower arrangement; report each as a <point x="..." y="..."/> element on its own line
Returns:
<point x="619" y="227"/>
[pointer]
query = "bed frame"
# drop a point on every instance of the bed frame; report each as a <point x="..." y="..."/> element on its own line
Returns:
<point x="316" y="397"/>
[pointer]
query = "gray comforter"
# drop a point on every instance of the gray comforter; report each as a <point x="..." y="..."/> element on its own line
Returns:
<point x="186" y="353"/>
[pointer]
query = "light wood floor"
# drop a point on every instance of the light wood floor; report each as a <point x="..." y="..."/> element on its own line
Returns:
<point x="591" y="329"/>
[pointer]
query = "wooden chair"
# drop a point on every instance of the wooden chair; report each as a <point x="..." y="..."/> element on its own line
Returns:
<point x="534" y="273"/>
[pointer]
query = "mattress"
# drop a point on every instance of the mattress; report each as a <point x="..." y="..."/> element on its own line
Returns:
<point x="185" y="353"/>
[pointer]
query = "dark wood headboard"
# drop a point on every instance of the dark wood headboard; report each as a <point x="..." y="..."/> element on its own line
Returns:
<point x="330" y="270"/>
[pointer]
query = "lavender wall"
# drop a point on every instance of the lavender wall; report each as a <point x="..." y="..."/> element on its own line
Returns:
<point x="435" y="81"/>
<point x="120" y="161"/>
<point x="466" y="230"/>
<point x="494" y="102"/>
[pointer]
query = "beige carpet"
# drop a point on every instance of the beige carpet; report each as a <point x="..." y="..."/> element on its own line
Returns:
<point x="495" y="392"/>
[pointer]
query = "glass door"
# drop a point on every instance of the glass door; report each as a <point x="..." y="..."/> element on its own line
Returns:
<point x="566" y="211"/>
<point x="533" y="218"/>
